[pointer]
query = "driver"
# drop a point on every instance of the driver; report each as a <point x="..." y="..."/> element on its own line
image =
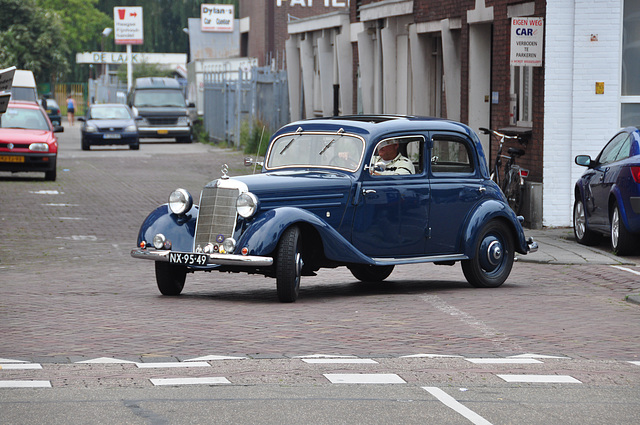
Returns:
<point x="395" y="162"/>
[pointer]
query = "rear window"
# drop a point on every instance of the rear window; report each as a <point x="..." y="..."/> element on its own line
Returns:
<point x="23" y="93"/>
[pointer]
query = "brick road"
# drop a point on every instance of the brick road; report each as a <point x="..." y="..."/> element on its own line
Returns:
<point x="71" y="291"/>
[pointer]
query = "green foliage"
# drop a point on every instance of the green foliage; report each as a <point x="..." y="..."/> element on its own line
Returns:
<point x="143" y="70"/>
<point x="32" y="38"/>
<point x="254" y="138"/>
<point x="200" y="134"/>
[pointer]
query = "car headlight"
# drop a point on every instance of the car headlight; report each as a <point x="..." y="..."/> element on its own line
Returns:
<point x="90" y="129"/>
<point x="180" y="201"/>
<point x="247" y="204"/>
<point x="229" y="245"/>
<point x="39" y="147"/>
<point x="183" y="121"/>
<point x="131" y="128"/>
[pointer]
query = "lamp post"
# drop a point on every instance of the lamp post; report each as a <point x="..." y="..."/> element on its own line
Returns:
<point x="105" y="33"/>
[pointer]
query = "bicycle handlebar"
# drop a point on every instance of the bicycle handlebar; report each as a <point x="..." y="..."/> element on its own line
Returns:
<point x="496" y="133"/>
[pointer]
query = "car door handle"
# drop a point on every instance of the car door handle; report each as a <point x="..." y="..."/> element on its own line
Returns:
<point x="365" y="192"/>
<point x="482" y="189"/>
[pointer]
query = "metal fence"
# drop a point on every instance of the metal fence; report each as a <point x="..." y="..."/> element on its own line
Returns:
<point x="233" y="97"/>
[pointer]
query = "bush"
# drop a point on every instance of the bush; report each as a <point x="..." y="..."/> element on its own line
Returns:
<point x="254" y="138"/>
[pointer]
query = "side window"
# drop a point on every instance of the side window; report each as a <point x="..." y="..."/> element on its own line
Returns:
<point x="450" y="156"/>
<point x="625" y="149"/>
<point x="398" y="155"/>
<point x="610" y="152"/>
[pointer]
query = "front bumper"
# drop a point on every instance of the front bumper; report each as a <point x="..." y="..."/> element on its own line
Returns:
<point x="31" y="161"/>
<point x="122" y="139"/>
<point x="212" y="259"/>
<point x="164" y="131"/>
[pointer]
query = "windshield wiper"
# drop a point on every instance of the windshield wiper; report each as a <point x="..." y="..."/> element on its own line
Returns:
<point x="287" y="146"/>
<point x="327" y="146"/>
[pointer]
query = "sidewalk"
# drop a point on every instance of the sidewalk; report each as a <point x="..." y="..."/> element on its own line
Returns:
<point x="558" y="246"/>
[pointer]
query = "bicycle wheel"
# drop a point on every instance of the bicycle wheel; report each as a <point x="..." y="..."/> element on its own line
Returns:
<point x="513" y="190"/>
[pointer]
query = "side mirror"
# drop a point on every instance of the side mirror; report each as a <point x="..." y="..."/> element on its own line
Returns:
<point x="58" y="129"/>
<point x="248" y="162"/>
<point x="192" y="105"/>
<point x="584" y="160"/>
<point x="81" y="119"/>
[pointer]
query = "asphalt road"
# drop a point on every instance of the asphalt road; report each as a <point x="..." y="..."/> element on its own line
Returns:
<point x="437" y="350"/>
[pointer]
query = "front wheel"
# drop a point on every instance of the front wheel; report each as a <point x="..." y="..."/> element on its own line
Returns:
<point x="289" y="265"/>
<point x="170" y="278"/>
<point x="493" y="257"/>
<point x="622" y="241"/>
<point x="367" y="273"/>
<point x="583" y="234"/>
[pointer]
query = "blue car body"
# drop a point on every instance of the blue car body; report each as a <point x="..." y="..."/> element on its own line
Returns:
<point x="341" y="209"/>
<point x="607" y="195"/>
<point x="109" y="124"/>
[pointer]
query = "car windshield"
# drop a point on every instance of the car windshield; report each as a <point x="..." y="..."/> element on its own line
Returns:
<point x="31" y="119"/>
<point x="329" y="150"/>
<point x="109" y="113"/>
<point x="159" y="98"/>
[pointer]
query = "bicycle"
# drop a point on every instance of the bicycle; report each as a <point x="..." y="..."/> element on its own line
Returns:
<point x="512" y="183"/>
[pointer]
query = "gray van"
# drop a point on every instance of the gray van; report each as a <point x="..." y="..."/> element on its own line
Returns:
<point x="164" y="111"/>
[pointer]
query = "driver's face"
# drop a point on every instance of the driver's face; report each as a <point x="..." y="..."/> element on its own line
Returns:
<point x="388" y="152"/>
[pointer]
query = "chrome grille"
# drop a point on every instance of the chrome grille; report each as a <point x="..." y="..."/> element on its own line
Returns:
<point x="217" y="215"/>
<point x="162" y="121"/>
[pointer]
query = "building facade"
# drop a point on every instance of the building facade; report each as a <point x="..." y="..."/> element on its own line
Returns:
<point x="453" y="60"/>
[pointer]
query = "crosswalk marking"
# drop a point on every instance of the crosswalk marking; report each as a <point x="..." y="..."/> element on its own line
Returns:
<point x="503" y="361"/>
<point x="546" y="379"/>
<point x="20" y="366"/>
<point x="172" y="365"/>
<point x="364" y="378"/>
<point x="452" y="403"/>
<point x="189" y="381"/>
<point x="340" y="361"/>
<point x="25" y="384"/>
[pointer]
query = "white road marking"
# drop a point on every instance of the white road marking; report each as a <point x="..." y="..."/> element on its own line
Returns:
<point x="105" y="360"/>
<point x="25" y="384"/>
<point x="189" y="381"/>
<point x="364" y="378"/>
<point x="340" y="361"/>
<point x="499" y="339"/>
<point x="322" y="356"/>
<point x="635" y="363"/>
<point x="546" y="379"/>
<point x="627" y="270"/>
<point x="172" y="365"/>
<point x="46" y="192"/>
<point x="536" y="356"/>
<point x="453" y="404"/>
<point x="210" y="358"/>
<point x="20" y="366"/>
<point x="72" y="218"/>
<point x="429" y="356"/>
<point x="12" y="361"/>
<point x="503" y="361"/>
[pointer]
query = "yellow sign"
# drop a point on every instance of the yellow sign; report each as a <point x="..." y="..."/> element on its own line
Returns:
<point x="599" y="87"/>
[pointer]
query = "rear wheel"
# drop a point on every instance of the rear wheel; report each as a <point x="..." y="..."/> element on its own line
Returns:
<point x="368" y="273"/>
<point x="493" y="257"/>
<point x="513" y="190"/>
<point x="289" y="265"/>
<point x="170" y="278"/>
<point x="622" y="241"/>
<point x="582" y="233"/>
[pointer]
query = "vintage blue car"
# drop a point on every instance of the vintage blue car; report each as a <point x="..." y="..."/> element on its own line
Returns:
<point x="366" y="192"/>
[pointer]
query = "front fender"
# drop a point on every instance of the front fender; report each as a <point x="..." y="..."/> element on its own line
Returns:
<point x="180" y="230"/>
<point x="263" y="233"/>
<point x="485" y="212"/>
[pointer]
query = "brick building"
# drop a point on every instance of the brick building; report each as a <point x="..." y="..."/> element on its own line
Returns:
<point x="453" y="59"/>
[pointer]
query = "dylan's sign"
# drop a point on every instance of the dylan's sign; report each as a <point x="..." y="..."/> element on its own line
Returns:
<point x="526" y="41"/>
<point x="309" y="3"/>
<point x="217" y="17"/>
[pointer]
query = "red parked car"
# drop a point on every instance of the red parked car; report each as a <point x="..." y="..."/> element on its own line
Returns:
<point x="27" y="140"/>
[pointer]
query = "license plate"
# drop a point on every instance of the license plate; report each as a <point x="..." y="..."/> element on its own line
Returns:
<point x="188" y="258"/>
<point x="10" y="158"/>
<point x="163" y="131"/>
<point x="112" y="136"/>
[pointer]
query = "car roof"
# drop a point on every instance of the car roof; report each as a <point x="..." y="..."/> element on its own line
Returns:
<point x="108" y="105"/>
<point x="24" y="104"/>
<point x="156" y="82"/>
<point x="374" y="125"/>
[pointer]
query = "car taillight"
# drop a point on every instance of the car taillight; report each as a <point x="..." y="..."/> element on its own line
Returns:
<point x="524" y="173"/>
<point x="635" y="173"/>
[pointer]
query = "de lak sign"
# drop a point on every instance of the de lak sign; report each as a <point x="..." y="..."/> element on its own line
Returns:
<point x="127" y="25"/>
<point x="526" y="41"/>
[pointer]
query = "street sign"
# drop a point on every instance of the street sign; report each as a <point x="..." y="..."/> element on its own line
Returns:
<point x="6" y="78"/>
<point x="4" y="102"/>
<point x="217" y="17"/>
<point x="526" y="41"/>
<point x="127" y="25"/>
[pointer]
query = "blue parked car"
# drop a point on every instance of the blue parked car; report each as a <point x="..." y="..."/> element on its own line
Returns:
<point x="607" y="196"/>
<point x="366" y="192"/>
<point x="109" y="124"/>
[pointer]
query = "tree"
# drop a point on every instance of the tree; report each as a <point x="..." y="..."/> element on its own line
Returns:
<point x="32" y="38"/>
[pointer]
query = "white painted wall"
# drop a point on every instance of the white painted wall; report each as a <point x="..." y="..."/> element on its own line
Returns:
<point x="577" y="121"/>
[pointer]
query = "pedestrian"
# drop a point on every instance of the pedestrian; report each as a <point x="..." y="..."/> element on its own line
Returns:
<point x="71" y="109"/>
